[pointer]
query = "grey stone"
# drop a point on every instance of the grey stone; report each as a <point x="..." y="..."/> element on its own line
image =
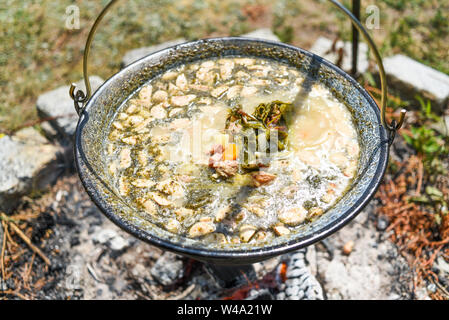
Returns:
<point x="167" y="269"/>
<point x="28" y="163"/>
<point x="111" y="238"/>
<point x="57" y="106"/>
<point x="119" y="243"/>
<point x="442" y="266"/>
<point x="50" y="132"/>
<point x="323" y="48"/>
<point x="382" y="223"/>
<point x="264" y="33"/>
<point x="136" y="54"/>
<point x="432" y="287"/>
<point x="102" y="236"/>
<point x="412" y="77"/>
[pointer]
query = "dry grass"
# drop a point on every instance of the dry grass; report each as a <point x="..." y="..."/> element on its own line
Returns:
<point x="419" y="235"/>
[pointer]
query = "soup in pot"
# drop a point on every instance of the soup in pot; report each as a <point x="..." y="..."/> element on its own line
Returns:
<point x="232" y="150"/>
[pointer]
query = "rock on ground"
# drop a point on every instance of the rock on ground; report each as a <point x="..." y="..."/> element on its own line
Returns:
<point x="28" y="163"/>
<point x="371" y="269"/>
<point x="412" y="77"/>
<point x="323" y="48"/>
<point x="136" y="54"/>
<point x="168" y="269"/>
<point x="57" y="106"/>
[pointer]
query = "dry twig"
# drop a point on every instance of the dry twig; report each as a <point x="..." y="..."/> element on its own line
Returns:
<point x="26" y="240"/>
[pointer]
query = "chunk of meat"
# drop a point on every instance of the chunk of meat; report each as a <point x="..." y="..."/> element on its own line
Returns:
<point x="180" y="123"/>
<point x="315" y="212"/>
<point x="118" y="125"/>
<point x="185" y="178"/>
<point x="261" y="178"/>
<point x="225" y="168"/>
<point x="234" y="128"/>
<point x="205" y="75"/>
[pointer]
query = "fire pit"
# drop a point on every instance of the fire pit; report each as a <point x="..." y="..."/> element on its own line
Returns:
<point x="95" y="111"/>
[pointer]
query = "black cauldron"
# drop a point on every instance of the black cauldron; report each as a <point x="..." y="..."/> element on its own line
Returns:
<point x="375" y="136"/>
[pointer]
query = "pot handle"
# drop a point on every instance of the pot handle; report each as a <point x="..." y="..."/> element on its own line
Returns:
<point x="80" y="98"/>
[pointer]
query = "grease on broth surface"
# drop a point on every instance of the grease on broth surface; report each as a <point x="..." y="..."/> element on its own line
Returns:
<point x="172" y="159"/>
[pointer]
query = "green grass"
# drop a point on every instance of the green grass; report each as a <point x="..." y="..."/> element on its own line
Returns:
<point x="37" y="52"/>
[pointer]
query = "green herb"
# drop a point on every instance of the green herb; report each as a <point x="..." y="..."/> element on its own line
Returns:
<point x="266" y="119"/>
<point x="309" y="204"/>
<point x="314" y="181"/>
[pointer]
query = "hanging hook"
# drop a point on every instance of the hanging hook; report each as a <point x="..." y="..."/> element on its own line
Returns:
<point x="78" y="97"/>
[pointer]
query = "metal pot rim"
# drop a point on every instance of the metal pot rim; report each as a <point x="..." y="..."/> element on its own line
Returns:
<point x="236" y="256"/>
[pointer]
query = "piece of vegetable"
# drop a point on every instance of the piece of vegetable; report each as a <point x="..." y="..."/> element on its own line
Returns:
<point x="230" y="152"/>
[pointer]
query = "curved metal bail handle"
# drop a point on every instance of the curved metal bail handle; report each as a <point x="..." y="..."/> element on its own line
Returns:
<point x="394" y="125"/>
<point x="78" y="96"/>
